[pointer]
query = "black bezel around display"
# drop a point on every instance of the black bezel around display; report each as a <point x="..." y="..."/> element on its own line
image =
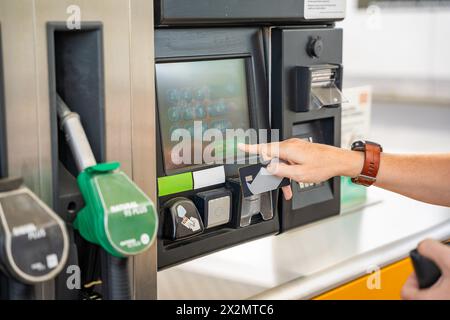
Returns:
<point x="251" y="101"/>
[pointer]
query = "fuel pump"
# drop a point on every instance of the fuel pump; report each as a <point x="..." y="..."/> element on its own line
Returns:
<point x="34" y="242"/>
<point x="118" y="216"/>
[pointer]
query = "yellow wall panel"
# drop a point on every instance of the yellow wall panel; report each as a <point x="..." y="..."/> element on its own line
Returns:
<point x="392" y="278"/>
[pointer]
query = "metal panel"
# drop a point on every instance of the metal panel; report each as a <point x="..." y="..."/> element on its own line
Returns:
<point x="117" y="81"/>
<point x="143" y="130"/>
<point x="129" y="95"/>
<point x="16" y="18"/>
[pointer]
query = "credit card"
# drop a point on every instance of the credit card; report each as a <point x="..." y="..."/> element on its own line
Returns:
<point x="255" y="179"/>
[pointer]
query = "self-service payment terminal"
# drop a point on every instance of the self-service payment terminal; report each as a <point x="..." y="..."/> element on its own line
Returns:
<point x="209" y="82"/>
<point x="264" y="65"/>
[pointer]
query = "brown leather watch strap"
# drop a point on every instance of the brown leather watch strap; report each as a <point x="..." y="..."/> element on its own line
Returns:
<point x="372" y="155"/>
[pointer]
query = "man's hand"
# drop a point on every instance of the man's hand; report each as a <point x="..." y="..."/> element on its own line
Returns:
<point x="440" y="254"/>
<point x="308" y="162"/>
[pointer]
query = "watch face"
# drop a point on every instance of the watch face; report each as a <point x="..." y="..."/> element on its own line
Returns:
<point x="358" y="145"/>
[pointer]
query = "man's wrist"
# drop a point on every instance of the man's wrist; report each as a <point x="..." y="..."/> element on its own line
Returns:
<point x="351" y="163"/>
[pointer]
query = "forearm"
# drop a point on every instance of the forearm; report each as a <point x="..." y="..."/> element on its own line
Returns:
<point x="422" y="177"/>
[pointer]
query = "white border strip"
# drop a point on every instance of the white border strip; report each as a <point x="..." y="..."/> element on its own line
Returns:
<point x="208" y="177"/>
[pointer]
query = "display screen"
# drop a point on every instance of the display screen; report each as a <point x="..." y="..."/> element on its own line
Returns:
<point x="197" y="96"/>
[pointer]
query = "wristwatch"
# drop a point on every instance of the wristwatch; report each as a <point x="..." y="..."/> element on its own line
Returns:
<point x="372" y="154"/>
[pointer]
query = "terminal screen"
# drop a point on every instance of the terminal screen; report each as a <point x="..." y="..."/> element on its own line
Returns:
<point x="197" y="96"/>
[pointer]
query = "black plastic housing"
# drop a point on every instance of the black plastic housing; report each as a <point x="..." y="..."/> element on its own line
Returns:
<point x="206" y="44"/>
<point x="231" y="12"/>
<point x="289" y="51"/>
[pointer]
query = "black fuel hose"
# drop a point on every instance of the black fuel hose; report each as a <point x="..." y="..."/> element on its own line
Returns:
<point x="115" y="277"/>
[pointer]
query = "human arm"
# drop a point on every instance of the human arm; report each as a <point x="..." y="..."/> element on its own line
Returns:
<point x="422" y="177"/>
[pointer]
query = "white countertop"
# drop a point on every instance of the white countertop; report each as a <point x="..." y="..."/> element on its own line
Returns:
<point x="312" y="259"/>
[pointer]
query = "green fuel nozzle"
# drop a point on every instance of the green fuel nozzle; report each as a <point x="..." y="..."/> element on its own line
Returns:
<point x="118" y="215"/>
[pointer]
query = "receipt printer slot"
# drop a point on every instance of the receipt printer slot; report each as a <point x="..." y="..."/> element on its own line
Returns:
<point x="317" y="87"/>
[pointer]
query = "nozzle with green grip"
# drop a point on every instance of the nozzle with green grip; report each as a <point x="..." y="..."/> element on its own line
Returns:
<point x="118" y="215"/>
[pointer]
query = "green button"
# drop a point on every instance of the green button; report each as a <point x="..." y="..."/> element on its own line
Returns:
<point x="175" y="184"/>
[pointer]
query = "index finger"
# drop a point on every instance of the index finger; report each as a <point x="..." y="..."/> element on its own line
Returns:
<point x="273" y="149"/>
